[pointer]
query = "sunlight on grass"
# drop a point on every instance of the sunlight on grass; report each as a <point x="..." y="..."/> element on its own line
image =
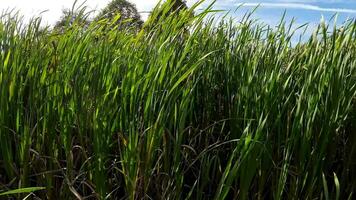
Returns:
<point x="189" y="107"/>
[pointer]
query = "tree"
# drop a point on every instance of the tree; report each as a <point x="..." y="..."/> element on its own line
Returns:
<point x="167" y="8"/>
<point x="170" y="7"/>
<point x="128" y="12"/>
<point x="175" y="6"/>
<point x="69" y="17"/>
<point x="178" y="5"/>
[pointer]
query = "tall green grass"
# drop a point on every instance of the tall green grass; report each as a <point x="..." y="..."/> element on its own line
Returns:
<point x="186" y="108"/>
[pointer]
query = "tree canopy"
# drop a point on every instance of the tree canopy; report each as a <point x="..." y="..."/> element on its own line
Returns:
<point x="173" y="6"/>
<point x="69" y="16"/>
<point x="127" y="11"/>
<point x="164" y="10"/>
<point x="178" y="5"/>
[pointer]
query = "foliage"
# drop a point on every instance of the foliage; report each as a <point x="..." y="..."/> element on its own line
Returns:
<point x="169" y="7"/>
<point x="178" y="5"/>
<point x="232" y="110"/>
<point x="70" y="17"/>
<point x="22" y="190"/>
<point x="126" y="10"/>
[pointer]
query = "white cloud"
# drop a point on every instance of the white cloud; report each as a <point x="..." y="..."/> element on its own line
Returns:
<point x="53" y="8"/>
<point x="30" y="8"/>
<point x="300" y="6"/>
<point x="144" y="5"/>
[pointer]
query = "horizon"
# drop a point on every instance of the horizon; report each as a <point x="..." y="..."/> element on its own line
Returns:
<point x="268" y="11"/>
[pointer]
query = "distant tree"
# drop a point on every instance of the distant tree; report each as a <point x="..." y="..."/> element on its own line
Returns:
<point x="175" y="6"/>
<point x="70" y="17"/>
<point x="178" y="5"/>
<point x="168" y="8"/>
<point x="128" y="12"/>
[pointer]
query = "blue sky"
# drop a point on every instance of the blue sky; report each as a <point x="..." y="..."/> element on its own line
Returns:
<point x="303" y="11"/>
<point x="269" y="12"/>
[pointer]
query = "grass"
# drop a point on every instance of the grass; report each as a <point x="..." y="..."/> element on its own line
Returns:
<point x="187" y="108"/>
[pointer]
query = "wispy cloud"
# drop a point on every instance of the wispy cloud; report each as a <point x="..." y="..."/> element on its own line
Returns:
<point x="300" y="6"/>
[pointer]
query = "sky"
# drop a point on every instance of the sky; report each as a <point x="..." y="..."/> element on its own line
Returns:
<point x="269" y="11"/>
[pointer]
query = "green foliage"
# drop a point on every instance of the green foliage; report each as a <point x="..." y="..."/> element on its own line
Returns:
<point x="75" y="15"/>
<point x="125" y="9"/>
<point x="123" y="13"/>
<point x="169" y="7"/>
<point x="225" y="110"/>
<point x="22" y="190"/>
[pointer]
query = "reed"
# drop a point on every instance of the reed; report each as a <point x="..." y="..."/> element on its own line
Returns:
<point x="194" y="107"/>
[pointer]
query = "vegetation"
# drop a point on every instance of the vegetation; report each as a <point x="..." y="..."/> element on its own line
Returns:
<point x="232" y="110"/>
<point x="169" y="7"/>
<point x="70" y="17"/>
<point x="125" y="9"/>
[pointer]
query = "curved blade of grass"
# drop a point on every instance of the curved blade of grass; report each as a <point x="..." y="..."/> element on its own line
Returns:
<point x="22" y="190"/>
